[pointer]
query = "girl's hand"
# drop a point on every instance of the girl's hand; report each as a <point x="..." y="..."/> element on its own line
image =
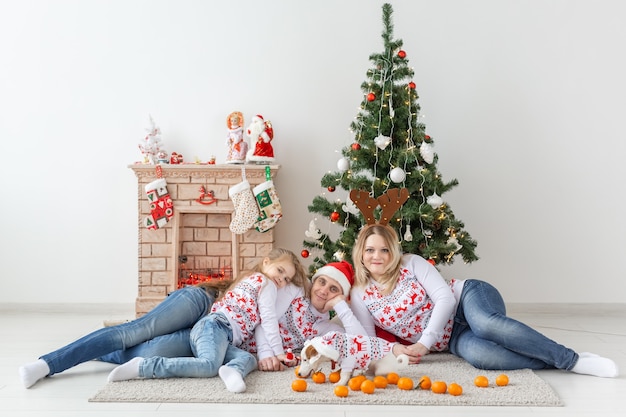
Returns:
<point x="415" y="352"/>
<point x="271" y="364"/>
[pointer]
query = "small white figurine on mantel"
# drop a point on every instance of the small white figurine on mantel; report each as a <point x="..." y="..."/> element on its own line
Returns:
<point x="237" y="146"/>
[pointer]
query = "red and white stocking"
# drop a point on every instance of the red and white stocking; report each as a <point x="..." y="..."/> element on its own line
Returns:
<point x="161" y="205"/>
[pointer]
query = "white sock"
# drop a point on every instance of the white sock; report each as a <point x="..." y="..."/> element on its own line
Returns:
<point x="128" y="370"/>
<point x="33" y="372"/>
<point x="232" y="379"/>
<point x="596" y="366"/>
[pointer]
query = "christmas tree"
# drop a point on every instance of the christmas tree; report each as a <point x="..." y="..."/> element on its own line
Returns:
<point x="390" y="150"/>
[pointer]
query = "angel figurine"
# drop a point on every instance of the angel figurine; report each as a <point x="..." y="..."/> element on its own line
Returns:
<point x="237" y="146"/>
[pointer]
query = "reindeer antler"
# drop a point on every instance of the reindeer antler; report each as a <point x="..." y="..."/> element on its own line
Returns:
<point x="365" y="203"/>
<point x="390" y="202"/>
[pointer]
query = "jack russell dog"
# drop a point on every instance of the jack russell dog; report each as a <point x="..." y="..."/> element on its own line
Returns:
<point x="351" y="352"/>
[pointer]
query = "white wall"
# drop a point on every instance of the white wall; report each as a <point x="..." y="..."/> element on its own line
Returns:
<point x="524" y="100"/>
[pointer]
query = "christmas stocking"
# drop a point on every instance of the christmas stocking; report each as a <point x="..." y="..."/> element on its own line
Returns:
<point x="246" y="210"/>
<point x="161" y="205"/>
<point x="269" y="205"/>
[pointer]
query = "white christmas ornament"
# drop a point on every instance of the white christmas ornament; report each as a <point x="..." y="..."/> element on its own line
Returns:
<point x="453" y="241"/>
<point x="350" y="207"/>
<point x="343" y="164"/>
<point x="427" y="152"/>
<point x="397" y="175"/>
<point x="339" y="255"/>
<point x="313" y="232"/>
<point x="434" y="201"/>
<point x="382" y="142"/>
<point x="407" y="235"/>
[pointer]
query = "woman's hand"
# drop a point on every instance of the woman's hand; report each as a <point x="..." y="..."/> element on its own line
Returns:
<point x="415" y="352"/>
<point x="271" y="364"/>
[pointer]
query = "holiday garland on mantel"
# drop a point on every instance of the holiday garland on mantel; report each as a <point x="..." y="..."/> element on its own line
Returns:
<point x="390" y="149"/>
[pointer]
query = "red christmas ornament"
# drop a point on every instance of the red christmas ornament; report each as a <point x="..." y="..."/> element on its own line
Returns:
<point x="304" y="253"/>
<point x="431" y="261"/>
<point x="371" y="97"/>
<point x="334" y="216"/>
<point x="412" y="85"/>
<point x="427" y="138"/>
<point x="401" y="54"/>
<point x="356" y="146"/>
<point x="331" y="188"/>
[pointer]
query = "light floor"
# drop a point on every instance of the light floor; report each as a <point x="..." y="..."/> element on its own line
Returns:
<point x="29" y="331"/>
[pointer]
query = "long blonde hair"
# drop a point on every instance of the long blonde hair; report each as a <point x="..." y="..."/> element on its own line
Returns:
<point x="276" y="255"/>
<point x="362" y="275"/>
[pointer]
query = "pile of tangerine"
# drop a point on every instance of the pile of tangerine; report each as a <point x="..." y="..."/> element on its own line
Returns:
<point x="368" y="386"/>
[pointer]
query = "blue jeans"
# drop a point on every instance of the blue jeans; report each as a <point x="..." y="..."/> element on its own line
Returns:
<point x="485" y="337"/>
<point x="180" y="310"/>
<point x="211" y="343"/>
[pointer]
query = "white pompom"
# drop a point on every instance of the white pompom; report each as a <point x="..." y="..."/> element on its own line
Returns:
<point x="397" y="175"/>
<point x="343" y="164"/>
<point x="427" y="152"/>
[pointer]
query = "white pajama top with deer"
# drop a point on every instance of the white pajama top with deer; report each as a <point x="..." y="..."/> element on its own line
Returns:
<point x="250" y="303"/>
<point x="420" y="308"/>
<point x="302" y="322"/>
<point x="356" y="351"/>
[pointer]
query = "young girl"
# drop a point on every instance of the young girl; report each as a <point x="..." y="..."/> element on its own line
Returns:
<point x="250" y="301"/>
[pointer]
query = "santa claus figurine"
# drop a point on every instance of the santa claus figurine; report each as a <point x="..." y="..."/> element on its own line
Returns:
<point x="261" y="134"/>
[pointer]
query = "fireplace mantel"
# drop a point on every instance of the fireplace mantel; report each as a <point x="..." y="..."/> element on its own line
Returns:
<point x="198" y="231"/>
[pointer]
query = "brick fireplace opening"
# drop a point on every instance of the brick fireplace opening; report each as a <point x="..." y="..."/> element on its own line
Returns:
<point x="196" y="244"/>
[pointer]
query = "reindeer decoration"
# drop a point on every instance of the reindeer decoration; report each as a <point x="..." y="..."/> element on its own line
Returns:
<point x="389" y="203"/>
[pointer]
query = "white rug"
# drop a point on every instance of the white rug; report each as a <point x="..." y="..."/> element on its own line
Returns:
<point x="524" y="389"/>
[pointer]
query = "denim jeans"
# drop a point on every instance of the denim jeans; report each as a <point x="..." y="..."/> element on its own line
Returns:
<point x="211" y="343"/>
<point x="180" y="310"/>
<point x="485" y="337"/>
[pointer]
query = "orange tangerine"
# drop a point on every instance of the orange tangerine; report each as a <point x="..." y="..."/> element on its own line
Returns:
<point x="380" y="381"/>
<point x="341" y="391"/>
<point x="368" y="386"/>
<point x="424" y="382"/>
<point x="405" y="383"/>
<point x="455" y="389"/>
<point x="392" y="378"/>
<point x="318" y="377"/>
<point x="298" y="385"/>
<point x="355" y="382"/>
<point x="502" y="380"/>
<point x="481" y="381"/>
<point x="334" y="376"/>
<point x="439" y="387"/>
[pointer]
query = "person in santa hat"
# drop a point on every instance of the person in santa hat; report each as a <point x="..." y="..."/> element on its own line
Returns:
<point x="261" y="134"/>
<point x="308" y="315"/>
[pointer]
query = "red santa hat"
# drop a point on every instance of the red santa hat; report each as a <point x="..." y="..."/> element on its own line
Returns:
<point x="341" y="272"/>
<point x="258" y="118"/>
